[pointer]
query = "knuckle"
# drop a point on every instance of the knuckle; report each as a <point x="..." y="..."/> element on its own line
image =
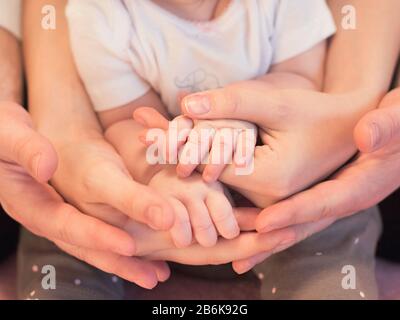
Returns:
<point x="231" y="99"/>
<point x="393" y="125"/>
<point x="64" y="226"/>
<point x="222" y="216"/>
<point x="202" y="226"/>
<point x="182" y="222"/>
<point x="325" y="211"/>
<point x="283" y="110"/>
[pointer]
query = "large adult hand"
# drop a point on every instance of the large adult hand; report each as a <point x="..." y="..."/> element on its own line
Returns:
<point x="27" y="162"/>
<point x="303" y="141"/>
<point x="371" y="177"/>
<point x="246" y="248"/>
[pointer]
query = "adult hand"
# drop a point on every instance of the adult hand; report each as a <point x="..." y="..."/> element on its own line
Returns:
<point x="303" y="142"/>
<point x="27" y="162"/>
<point x="371" y="177"/>
<point x="303" y="139"/>
<point x="93" y="178"/>
<point x="158" y="245"/>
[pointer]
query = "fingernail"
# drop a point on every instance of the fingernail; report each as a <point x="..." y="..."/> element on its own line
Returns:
<point x="155" y="216"/>
<point x="375" y="135"/>
<point x="246" y="267"/>
<point x="149" y="284"/>
<point x="208" y="178"/>
<point x="197" y="104"/>
<point x="163" y="274"/>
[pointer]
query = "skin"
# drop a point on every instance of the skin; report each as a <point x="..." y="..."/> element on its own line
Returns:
<point x="27" y="162"/>
<point x="301" y="72"/>
<point x="72" y="128"/>
<point x="229" y="250"/>
<point x="349" y="95"/>
<point x="76" y="134"/>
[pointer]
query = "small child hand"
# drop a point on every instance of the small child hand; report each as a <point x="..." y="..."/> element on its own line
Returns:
<point x="199" y="207"/>
<point x="217" y="143"/>
<point x="212" y="142"/>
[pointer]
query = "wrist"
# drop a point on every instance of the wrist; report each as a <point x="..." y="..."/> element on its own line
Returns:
<point x="124" y="137"/>
<point x="353" y="105"/>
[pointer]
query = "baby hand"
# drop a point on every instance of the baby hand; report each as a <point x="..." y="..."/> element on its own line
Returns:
<point x="199" y="207"/>
<point x="217" y="143"/>
<point x="211" y="142"/>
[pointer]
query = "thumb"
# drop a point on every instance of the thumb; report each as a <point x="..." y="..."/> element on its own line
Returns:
<point x="21" y="144"/>
<point x="150" y="118"/>
<point x="381" y="126"/>
<point x="251" y="101"/>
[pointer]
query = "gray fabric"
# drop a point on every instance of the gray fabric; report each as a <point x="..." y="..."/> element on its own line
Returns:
<point x="74" y="279"/>
<point x="313" y="268"/>
<point x="309" y="270"/>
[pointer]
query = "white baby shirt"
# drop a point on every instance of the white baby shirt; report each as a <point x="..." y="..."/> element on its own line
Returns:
<point x="10" y="16"/>
<point x="125" y="47"/>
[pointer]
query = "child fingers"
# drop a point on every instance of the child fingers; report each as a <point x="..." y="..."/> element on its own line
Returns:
<point x="195" y="150"/>
<point x="220" y="154"/>
<point x="189" y="157"/>
<point x="244" y="149"/>
<point x="181" y="231"/>
<point x="177" y="134"/>
<point x="150" y="118"/>
<point x="203" y="228"/>
<point x="212" y="172"/>
<point x="243" y="158"/>
<point x="222" y="215"/>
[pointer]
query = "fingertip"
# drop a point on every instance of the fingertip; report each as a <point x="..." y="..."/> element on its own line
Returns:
<point x="197" y="104"/>
<point x="182" y="242"/>
<point x="128" y="248"/>
<point x="146" y="277"/>
<point x="148" y="284"/>
<point x="241" y="267"/>
<point x="229" y="229"/>
<point x="182" y="171"/>
<point x="44" y="164"/>
<point x="207" y="241"/>
<point x="138" y="115"/>
<point x="367" y="136"/>
<point x="233" y="234"/>
<point x="267" y="222"/>
<point x="209" y="177"/>
<point x="163" y="271"/>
